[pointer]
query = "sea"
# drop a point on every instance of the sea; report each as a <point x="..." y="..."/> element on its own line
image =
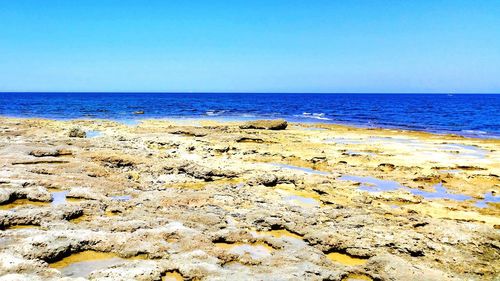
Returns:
<point x="471" y="115"/>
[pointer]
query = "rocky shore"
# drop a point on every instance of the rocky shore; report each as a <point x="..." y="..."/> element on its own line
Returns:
<point x="206" y="200"/>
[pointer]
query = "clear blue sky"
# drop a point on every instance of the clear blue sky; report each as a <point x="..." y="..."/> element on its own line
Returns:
<point x="250" y="45"/>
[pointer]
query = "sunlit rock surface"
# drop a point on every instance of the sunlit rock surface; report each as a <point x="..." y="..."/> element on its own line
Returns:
<point x="169" y="200"/>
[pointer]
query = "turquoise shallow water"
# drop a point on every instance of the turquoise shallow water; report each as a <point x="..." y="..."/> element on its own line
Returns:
<point x="468" y="115"/>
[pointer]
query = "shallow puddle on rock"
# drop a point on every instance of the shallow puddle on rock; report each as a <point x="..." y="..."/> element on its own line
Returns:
<point x="357" y="277"/>
<point x="256" y="250"/>
<point x="172" y="276"/>
<point x="345" y="259"/>
<point x="83" y="263"/>
<point x="359" y="153"/>
<point x="300" y="197"/>
<point x="81" y="218"/>
<point x="121" y="197"/>
<point x="24" y="226"/>
<point x="93" y="134"/>
<point x="302" y="169"/>
<point x="23" y="202"/>
<point x="468" y="151"/>
<point x="377" y="185"/>
<point x="440" y="193"/>
<point x="488" y="198"/>
<point x="372" y="184"/>
<point x="59" y="198"/>
<point x="449" y="171"/>
<point x="301" y="200"/>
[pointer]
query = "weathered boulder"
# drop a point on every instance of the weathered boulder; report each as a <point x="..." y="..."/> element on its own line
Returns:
<point x="77" y="133"/>
<point x="278" y="124"/>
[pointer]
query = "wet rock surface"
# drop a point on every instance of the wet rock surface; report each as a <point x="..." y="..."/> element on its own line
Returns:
<point x="214" y="201"/>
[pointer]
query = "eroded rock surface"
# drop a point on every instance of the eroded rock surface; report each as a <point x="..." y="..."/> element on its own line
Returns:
<point x="77" y="133"/>
<point x="279" y="124"/>
<point x="216" y="201"/>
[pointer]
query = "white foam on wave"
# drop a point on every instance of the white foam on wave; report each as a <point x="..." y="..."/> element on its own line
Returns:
<point x="319" y="116"/>
<point x="214" y="112"/>
<point x="474" y="132"/>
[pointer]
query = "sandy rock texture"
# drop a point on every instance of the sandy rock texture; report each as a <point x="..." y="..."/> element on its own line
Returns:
<point x="206" y="200"/>
<point x="279" y="124"/>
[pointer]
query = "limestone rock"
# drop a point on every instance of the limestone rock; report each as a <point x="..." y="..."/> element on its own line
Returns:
<point x="278" y="124"/>
<point x="166" y="202"/>
<point x="38" y="194"/>
<point x="84" y="193"/>
<point x="265" y="179"/>
<point x="132" y="270"/>
<point x="115" y="160"/>
<point x="77" y="133"/>
<point x="204" y="172"/>
<point x="11" y="265"/>
<point x="392" y="267"/>
<point x="54" y="153"/>
<point x="6" y="195"/>
<point x="190" y="132"/>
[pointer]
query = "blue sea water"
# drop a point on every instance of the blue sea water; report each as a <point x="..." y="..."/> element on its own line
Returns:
<point x="468" y="115"/>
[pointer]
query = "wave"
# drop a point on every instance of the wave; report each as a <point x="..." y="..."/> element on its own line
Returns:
<point x="215" y="112"/>
<point x="319" y="116"/>
<point x="466" y="115"/>
<point x="474" y="132"/>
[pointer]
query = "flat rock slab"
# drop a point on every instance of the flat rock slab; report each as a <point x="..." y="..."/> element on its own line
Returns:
<point x="278" y="124"/>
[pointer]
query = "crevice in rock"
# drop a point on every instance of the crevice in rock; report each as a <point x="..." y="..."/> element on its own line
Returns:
<point x="34" y="162"/>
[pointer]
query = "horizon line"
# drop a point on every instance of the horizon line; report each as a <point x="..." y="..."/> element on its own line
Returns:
<point x="260" y="92"/>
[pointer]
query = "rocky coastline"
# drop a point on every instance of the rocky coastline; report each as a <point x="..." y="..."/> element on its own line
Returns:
<point x="268" y="200"/>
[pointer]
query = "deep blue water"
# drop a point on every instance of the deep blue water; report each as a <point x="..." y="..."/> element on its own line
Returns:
<point x="469" y="115"/>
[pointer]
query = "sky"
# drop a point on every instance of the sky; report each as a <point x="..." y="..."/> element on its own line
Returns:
<point x="250" y="46"/>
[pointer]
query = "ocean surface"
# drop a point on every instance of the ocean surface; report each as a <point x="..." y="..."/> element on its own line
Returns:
<point x="468" y="115"/>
